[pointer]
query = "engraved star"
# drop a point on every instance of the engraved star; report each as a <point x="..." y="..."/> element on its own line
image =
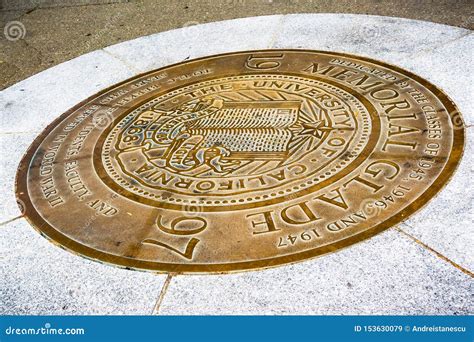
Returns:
<point x="316" y="128"/>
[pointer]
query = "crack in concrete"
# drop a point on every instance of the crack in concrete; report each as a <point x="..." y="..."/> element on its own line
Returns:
<point x="276" y="33"/>
<point x="160" y="298"/>
<point x="435" y="252"/>
<point x="24" y="132"/>
<point x="129" y="66"/>
<point x="443" y="44"/>
<point x="10" y="220"/>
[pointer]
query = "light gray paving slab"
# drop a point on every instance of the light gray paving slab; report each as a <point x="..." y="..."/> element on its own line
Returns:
<point x="193" y="41"/>
<point x="388" y="274"/>
<point x="379" y="37"/>
<point x="451" y="68"/>
<point x="39" y="278"/>
<point x="442" y="54"/>
<point x="446" y="224"/>
<point x="12" y="148"/>
<point x="32" y="104"/>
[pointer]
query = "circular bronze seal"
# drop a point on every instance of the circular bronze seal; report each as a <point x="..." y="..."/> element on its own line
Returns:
<point x="240" y="161"/>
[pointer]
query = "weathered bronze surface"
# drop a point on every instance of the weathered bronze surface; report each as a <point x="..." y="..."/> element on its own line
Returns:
<point x="240" y="161"/>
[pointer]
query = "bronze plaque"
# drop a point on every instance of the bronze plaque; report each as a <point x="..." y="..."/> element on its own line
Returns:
<point x="240" y="161"/>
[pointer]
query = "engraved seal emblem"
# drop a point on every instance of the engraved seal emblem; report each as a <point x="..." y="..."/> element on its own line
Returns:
<point x="253" y="134"/>
<point x="240" y="161"/>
